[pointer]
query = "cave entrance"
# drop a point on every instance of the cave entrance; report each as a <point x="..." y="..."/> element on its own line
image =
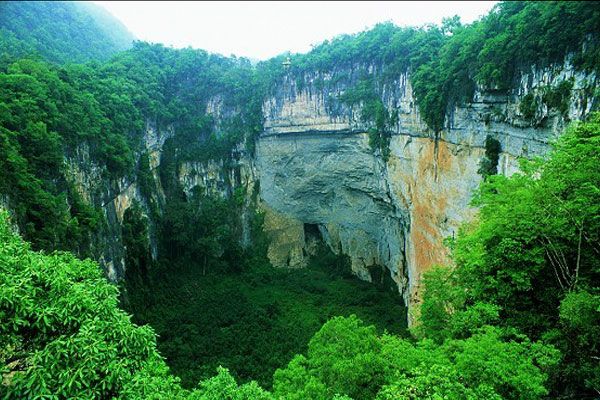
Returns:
<point x="312" y="231"/>
<point x="382" y="278"/>
<point x="313" y="239"/>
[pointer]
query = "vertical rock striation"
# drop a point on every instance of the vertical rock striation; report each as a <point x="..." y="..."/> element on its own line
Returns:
<point x="316" y="171"/>
<point x="315" y="166"/>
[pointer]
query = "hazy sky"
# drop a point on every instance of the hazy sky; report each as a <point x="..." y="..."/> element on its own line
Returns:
<point x="261" y="30"/>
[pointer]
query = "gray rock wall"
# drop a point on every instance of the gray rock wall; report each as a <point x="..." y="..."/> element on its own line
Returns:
<point x="114" y="197"/>
<point x="334" y="181"/>
<point x="316" y="167"/>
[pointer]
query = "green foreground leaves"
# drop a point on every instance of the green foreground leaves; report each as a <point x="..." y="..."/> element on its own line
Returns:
<point x="62" y="335"/>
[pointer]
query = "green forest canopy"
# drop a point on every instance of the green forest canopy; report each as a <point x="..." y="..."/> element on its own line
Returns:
<point x="60" y="31"/>
<point x="524" y="294"/>
<point x="509" y="322"/>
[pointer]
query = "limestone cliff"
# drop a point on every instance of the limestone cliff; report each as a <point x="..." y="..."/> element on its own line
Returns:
<point x="316" y="167"/>
<point x="316" y="171"/>
<point x="114" y="197"/>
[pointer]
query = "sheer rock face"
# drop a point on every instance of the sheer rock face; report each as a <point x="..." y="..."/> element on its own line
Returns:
<point x="333" y="181"/>
<point x="315" y="166"/>
<point x="315" y="169"/>
<point x="114" y="197"/>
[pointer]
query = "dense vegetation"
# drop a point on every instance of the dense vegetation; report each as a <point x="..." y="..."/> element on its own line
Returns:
<point x="489" y="163"/>
<point x="49" y="113"/>
<point x="532" y="264"/>
<point x="250" y="317"/>
<point x="447" y="62"/>
<point x="61" y="32"/>
<point x="62" y="335"/>
<point x="517" y="318"/>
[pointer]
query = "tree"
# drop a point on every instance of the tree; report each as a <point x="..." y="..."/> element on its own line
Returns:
<point x="531" y="259"/>
<point x="62" y="331"/>
<point x="346" y="357"/>
<point x="63" y="334"/>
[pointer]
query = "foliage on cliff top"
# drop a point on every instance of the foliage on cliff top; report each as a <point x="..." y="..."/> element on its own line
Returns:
<point x="39" y="113"/>
<point x="61" y="32"/>
<point x="49" y="113"/>
<point x="448" y="61"/>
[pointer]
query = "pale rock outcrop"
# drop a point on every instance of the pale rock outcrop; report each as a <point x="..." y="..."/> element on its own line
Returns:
<point x="315" y="166"/>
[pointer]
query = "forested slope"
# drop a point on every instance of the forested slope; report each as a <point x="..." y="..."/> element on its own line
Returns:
<point x="60" y="32"/>
<point x="48" y="112"/>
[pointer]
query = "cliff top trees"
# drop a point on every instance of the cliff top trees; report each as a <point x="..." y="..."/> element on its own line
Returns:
<point x="448" y="62"/>
<point x="62" y="32"/>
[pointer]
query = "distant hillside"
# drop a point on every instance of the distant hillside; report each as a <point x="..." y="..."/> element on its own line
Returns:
<point x="60" y="32"/>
